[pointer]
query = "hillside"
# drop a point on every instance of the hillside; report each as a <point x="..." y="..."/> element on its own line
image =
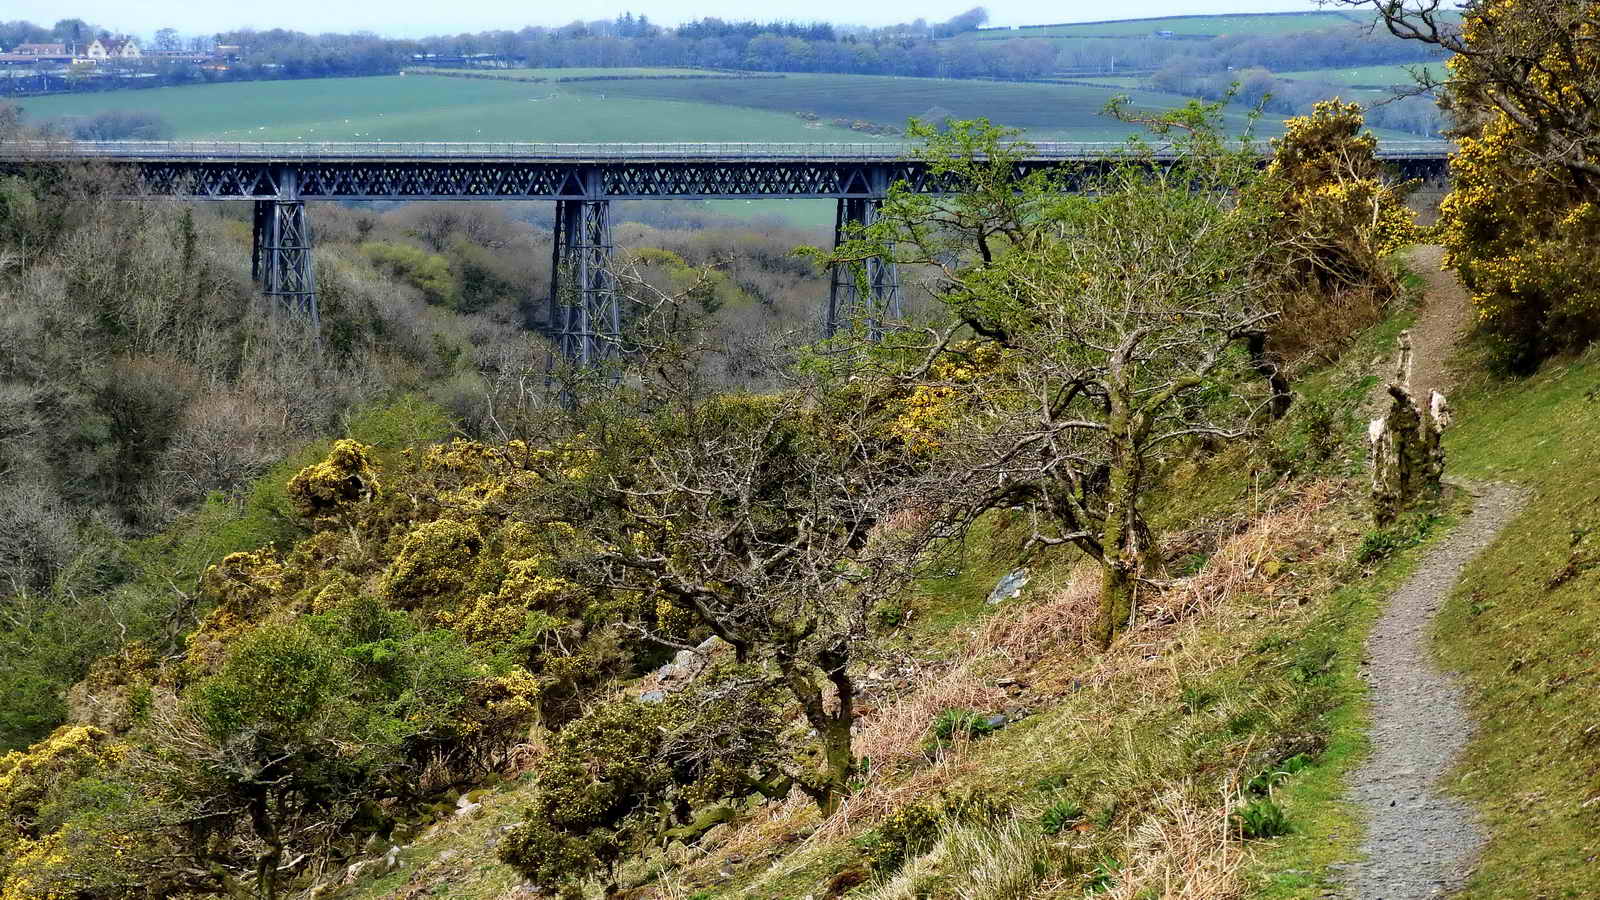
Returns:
<point x="421" y="107"/>
<point x="1233" y="24"/>
<point x="1201" y="527"/>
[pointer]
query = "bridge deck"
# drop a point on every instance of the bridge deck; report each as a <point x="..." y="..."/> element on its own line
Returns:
<point x="218" y="170"/>
<point x="435" y="151"/>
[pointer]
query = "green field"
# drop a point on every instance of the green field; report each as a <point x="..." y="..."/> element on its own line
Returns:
<point x="1232" y="23"/>
<point x="1380" y="77"/>
<point x="1047" y="111"/>
<point x="422" y="108"/>
<point x="435" y="108"/>
<point x="573" y="72"/>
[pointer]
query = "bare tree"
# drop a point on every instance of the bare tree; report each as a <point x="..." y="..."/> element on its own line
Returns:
<point x="1111" y="327"/>
<point x="776" y="522"/>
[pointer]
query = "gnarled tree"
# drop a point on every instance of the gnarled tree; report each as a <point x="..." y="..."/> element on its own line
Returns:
<point x="1109" y="327"/>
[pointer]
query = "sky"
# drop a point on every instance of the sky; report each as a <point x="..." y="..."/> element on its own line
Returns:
<point x="415" y="18"/>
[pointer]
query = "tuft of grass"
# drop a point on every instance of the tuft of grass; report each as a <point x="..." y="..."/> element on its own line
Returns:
<point x="1259" y="819"/>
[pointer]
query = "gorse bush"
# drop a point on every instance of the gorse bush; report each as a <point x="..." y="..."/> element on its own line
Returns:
<point x="1334" y="218"/>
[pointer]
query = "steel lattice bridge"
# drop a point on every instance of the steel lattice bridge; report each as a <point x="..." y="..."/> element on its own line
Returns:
<point x="582" y="179"/>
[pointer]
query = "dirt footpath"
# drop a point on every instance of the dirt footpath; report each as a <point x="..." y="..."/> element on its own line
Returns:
<point x="1445" y="315"/>
<point x="1421" y="843"/>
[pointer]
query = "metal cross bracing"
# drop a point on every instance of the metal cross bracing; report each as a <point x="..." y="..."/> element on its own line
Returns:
<point x="585" y="318"/>
<point x="282" y="259"/>
<point x="870" y="291"/>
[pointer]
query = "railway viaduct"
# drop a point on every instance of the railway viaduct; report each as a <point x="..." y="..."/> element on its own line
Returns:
<point x="582" y="180"/>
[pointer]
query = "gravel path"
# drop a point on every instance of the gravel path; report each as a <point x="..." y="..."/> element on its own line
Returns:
<point x="1420" y="843"/>
<point x="1445" y="314"/>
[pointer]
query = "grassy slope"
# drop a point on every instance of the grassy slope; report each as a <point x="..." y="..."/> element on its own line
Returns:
<point x="1524" y="629"/>
<point x="415" y="107"/>
<point x="1232" y="23"/>
<point x="1268" y="671"/>
<point x="1045" y="110"/>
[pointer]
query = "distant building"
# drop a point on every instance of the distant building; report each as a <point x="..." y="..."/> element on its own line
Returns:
<point x="110" y="49"/>
<point x="41" y="50"/>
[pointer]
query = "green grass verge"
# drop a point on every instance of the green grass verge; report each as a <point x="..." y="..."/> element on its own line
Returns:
<point x="1328" y="828"/>
<point x="1523" y="627"/>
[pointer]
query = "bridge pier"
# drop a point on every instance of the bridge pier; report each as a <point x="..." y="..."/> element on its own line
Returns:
<point x="585" y="308"/>
<point x="281" y="249"/>
<point x="882" y="278"/>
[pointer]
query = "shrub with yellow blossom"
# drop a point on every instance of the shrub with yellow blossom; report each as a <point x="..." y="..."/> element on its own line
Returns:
<point x="1333" y="216"/>
<point x="330" y="487"/>
<point x="1522" y="221"/>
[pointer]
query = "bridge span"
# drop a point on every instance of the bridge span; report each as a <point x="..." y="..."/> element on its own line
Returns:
<point x="582" y="179"/>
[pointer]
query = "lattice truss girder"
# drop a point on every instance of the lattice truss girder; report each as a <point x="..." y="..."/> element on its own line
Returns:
<point x="869" y="291"/>
<point x="585" y="316"/>
<point x="398" y="179"/>
<point x="515" y="180"/>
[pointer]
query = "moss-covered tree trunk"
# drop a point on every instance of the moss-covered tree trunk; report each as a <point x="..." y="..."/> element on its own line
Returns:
<point x="828" y="780"/>
<point x="1123" y="536"/>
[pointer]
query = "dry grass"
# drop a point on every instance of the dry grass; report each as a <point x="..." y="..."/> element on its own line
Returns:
<point x="1178" y="848"/>
<point x="1183" y="851"/>
<point x="989" y="861"/>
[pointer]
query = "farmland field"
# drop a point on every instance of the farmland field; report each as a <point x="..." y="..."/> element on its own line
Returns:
<point x="574" y="72"/>
<point x="424" y="107"/>
<point x="1237" y="23"/>
<point x="419" y="108"/>
<point x="1046" y="111"/>
<point x="1382" y="77"/>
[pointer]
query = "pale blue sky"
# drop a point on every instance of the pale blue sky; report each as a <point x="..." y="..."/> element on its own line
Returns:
<point x="412" y="18"/>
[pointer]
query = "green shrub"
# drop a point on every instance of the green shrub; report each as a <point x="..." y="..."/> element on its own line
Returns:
<point x="1382" y="543"/>
<point x="410" y="420"/>
<point x="956" y="722"/>
<point x="1266" y="781"/>
<point x="906" y="834"/>
<point x="427" y="272"/>
<point x="277" y="679"/>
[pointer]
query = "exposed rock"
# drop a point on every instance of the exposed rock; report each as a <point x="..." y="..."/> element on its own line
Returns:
<point x="652" y="696"/>
<point x="1009" y="587"/>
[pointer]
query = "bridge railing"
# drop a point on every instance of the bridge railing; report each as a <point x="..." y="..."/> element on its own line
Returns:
<point x="446" y="150"/>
